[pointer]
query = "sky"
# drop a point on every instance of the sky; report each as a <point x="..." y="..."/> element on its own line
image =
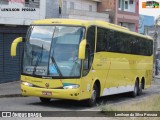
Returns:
<point x="149" y="11"/>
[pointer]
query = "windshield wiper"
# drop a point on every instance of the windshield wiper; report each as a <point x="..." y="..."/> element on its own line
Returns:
<point x="54" y="62"/>
<point x="52" y="58"/>
<point x="39" y="58"/>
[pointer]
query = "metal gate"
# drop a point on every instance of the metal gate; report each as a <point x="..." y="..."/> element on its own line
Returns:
<point x="10" y="67"/>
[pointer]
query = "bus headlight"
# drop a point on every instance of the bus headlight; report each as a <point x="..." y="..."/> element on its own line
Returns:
<point x="27" y="84"/>
<point x="71" y="87"/>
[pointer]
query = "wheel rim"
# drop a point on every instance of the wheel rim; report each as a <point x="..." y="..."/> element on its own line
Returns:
<point x="94" y="95"/>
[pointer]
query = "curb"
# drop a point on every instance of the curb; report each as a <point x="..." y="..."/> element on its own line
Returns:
<point x="11" y="95"/>
<point x="156" y="76"/>
<point x="10" y="82"/>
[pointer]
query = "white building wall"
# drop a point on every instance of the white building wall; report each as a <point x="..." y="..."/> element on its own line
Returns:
<point x="21" y="17"/>
<point x="82" y="10"/>
<point x="88" y="18"/>
<point x="82" y="4"/>
<point x="52" y="8"/>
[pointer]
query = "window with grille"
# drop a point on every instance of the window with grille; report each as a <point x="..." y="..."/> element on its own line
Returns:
<point x="5" y="2"/>
<point x="32" y="3"/>
<point x="72" y="5"/>
<point x="90" y="8"/>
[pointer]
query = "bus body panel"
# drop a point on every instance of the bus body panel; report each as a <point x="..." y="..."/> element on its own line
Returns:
<point x="118" y="72"/>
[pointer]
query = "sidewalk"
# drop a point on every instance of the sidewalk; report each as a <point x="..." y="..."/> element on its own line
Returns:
<point x="10" y="89"/>
<point x="158" y="77"/>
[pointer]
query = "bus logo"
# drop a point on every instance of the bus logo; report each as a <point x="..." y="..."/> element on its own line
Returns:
<point x="150" y="4"/>
<point x="6" y="114"/>
<point x="47" y="85"/>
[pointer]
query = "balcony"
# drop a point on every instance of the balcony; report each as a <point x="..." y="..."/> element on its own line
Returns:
<point x="82" y="14"/>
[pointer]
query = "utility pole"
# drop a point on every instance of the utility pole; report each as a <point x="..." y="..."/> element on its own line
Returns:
<point x="157" y="23"/>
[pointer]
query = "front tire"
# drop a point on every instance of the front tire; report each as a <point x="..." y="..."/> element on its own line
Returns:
<point x="92" y="101"/>
<point x="45" y="100"/>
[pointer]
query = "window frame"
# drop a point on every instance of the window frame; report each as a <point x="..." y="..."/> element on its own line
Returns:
<point x="90" y="8"/>
<point x="4" y="2"/>
<point x="72" y="5"/>
<point x="90" y="57"/>
<point x="126" y="9"/>
<point x="32" y="3"/>
<point x="119" y="4"/>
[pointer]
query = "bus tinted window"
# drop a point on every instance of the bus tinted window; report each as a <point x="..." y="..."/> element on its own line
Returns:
<point x="115" y="41"/>
<point x="91" y="38"/>
<point x="101" y="39"/>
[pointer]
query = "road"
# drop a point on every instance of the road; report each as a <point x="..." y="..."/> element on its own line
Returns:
<point x="34" y="104"/>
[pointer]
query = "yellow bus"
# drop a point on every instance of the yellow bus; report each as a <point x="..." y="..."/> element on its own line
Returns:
<point x="83" y="60"/>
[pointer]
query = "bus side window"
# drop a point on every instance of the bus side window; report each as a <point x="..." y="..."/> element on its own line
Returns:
<point x="87" y="61"/>
<point x="90" y="49"/>
<point x="111" y="41"/>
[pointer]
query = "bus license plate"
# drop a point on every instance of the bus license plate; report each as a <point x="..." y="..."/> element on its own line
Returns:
<point x="47" y="93"/>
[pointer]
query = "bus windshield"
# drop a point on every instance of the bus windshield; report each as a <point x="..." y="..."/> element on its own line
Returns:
<point x="53" y="51"/>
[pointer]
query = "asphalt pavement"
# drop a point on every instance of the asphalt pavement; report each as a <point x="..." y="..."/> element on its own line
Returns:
<point x="10" y="89"/>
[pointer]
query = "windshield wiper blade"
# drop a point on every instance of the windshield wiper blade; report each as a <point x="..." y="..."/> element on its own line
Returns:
<point x="39" y="58"/>
<point x="56" y="66"/>
<point x="52" y="58"/>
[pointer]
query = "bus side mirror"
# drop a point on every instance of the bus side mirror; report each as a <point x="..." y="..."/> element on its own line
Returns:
<point x="82" y="49"/>
<point x="14" y="46"/>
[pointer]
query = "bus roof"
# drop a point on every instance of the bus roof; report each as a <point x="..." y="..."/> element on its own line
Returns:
<point x="87" y="23"/>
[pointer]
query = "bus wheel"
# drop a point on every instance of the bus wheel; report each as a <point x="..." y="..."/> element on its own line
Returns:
<point x="92" y="101"/>
<point x="140" y="89"/>
<point x="45" y="100"/>
<point x="135" y="91"/>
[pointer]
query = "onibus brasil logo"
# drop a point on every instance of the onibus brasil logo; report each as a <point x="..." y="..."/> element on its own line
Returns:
<point x="151" y="4"/>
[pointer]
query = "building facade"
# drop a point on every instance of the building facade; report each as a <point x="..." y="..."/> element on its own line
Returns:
<point x="17" y="15"/>
<point x="122" y="12"/>
<point x="23" y="12"/>
<point x="15" y="18"/>
<point x="82" y="9"/>
<point x="145" y="22"/>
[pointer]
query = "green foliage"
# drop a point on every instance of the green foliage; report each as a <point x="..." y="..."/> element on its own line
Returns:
<point x="105" y="108"/>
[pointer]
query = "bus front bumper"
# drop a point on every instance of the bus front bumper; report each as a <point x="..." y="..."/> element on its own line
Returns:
<point x="72" y="94"/>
